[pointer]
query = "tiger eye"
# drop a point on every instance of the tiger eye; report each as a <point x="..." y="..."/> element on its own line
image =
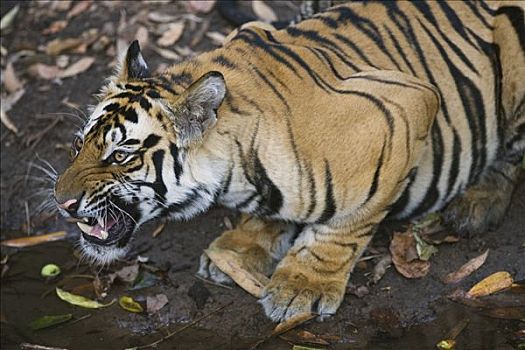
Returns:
<point x="119" y="156"/>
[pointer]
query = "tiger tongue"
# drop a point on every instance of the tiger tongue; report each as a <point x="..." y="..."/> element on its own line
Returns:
<point x="98" y="230"/>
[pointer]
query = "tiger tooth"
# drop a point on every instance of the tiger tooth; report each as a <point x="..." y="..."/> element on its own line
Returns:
<point x="84" y="227"/>
<point x="85" y="219"/>
<point x="101" y="222"/>
<point x="104" y="234"/>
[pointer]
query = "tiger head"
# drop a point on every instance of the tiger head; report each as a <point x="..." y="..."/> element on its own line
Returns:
<point x="137" y="159"/>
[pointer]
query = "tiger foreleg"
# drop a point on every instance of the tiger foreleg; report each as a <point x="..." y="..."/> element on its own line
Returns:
<point x="483" y="205"/>
<point x="312" y="277"/>
<point x="258" y="245"/>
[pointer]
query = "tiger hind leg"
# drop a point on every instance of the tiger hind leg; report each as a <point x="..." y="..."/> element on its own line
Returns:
<point x="482" y="206"/>
<point x="258" y="245"/>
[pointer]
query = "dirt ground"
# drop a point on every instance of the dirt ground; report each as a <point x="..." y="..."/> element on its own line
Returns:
<point x="395" y="313"/>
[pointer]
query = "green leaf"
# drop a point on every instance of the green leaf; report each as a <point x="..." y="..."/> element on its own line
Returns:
<point x="49" y="321"/>
<point x="523" y="162"/>
<point x="79" y="300"/>
<point x="302" y="347"/>
<point x="50" y="270"/>
<point x="424" y="250"/>
<point x="9" y="17"/>
<point x="128" y="304"/>
<point x="429" y="220"/>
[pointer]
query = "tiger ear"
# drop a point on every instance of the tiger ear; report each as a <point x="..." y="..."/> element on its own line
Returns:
<point x="133" y="66"/>
<point x="195" y="111"/>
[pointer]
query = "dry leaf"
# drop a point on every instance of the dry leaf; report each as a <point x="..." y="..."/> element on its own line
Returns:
<point x="199" y="6"/>
<point x="128" y="273"/>
<point x="155" y="303"/>
<point x="293" y="322"/>
<point x="44" y="71"/>
<point x="404" y="256"/>
<point x="11" y="81"/>
<point x="58" y="46"/>
<point x="8" y="18"/>
<point x="216" y="37"/>
<point x="80" y="6"/>
<point x="10" y="100"/>
<point x="161" y="17"/>
<point x="128" y="304"/>
<point x="303" y="336"/>
<point x="55" y="27"/>
<point x="380" y="269"/>
<point x="465" y="270"/>
<point x="142" y="36"/>
<point x="168" y="54"/>
<point x="172" y="35"/>
<point x="34" y="240"/>
<point x="228" y="263"/>
<point x="263" y="11"/>
<point x="491" y="284"/>
<point x="80" y="300"/>
<point x="76" y="68"/>
<point x="158" y="230"/>
<point x="7" y="122"/>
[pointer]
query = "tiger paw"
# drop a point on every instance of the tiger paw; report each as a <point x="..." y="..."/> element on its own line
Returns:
<point x="476" y="211"/>
<point x="208" y="270"/>
<point x="292" y="293"/>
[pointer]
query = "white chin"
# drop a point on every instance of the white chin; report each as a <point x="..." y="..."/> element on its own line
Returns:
<point x="101" y="255"/>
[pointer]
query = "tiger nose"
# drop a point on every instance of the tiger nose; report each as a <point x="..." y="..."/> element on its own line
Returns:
<point x="71" y="205"/>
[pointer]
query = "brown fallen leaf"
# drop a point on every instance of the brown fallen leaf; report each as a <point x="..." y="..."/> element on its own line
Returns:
<point x="76" y="68"/>
<point x="142" y="36"/>
<point x="11" y="81"/>
<point x="158" y="230"/>
<point x="303" y="336"/>
<point x="44" y="71"/>
<point x="128" y="273"/>
<point x="172" y="35"/>
<point x="293" y="322"/>
<point x="160" y="17"/>
<point x="80" y="6"/>
<point x="199" y="6"/>
<point x="168" y="54"/>
<point x="228" y="263"/>
<point x="58" y="46"/>
<point x="155" y="303"/>
<point x="491" y="284"/>
<point x="405" y="258"/>
<point x="216" y="37"/>
<point x="7" y="121"/>
<point x="55" y="27"/>
<point x="380" y="269"/>
<point x="465" y="270"/>
<point x="29" y="241"/>
<point x="263" y="11"/>
<point x="506" y="313"/>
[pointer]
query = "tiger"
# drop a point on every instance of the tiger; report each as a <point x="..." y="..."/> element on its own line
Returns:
<point x="316" y="133"/>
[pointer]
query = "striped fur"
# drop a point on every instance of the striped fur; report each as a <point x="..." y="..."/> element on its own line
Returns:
<point x="317" y="132"/>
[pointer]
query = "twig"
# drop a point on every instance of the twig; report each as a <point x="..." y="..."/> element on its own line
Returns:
<point x="171" y="334"/>
<point x="38" y="347"/>
<point x="211" y="282"/>
<point x="28" y="218"/>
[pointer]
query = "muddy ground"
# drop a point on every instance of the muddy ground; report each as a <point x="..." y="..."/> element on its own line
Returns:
<point x="397" y="313"/>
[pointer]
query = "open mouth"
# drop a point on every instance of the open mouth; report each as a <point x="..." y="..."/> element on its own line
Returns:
<point x="106" y="232"/>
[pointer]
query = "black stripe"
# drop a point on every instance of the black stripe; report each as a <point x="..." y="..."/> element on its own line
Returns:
<point x="177" y="166"/>
<point x="329" y="207"/>
<point x="272" y="87"/>
<point x="224" y="61"/>
<point x="454" y="166"/>
<point x="158" y="186"/>
<point x="474" y="110"/>
<point x="377" y="173"/>
<point x="151" y="141"/>
<point x="130" y="114"/>
<point x="399" y="49"/>
<point x="455" y="21"/>
<point x="516" y="18"/>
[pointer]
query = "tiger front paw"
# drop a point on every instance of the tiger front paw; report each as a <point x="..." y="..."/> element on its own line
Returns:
<point x="291" y="293"/>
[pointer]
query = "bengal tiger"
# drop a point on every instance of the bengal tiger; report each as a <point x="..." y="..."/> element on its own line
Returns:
<point x="316" y="133"/>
